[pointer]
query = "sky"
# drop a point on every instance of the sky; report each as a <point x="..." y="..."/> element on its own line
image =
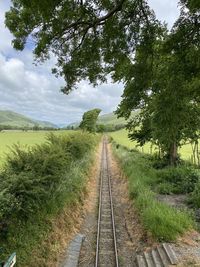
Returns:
<point x="35" y="92"/>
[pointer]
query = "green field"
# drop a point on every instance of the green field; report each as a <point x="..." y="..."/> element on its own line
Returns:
<point x="8" y="138"/>
<point x="121" y="137"/>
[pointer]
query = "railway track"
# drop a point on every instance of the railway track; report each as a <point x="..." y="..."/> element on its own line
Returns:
<point x="106" y="245"/>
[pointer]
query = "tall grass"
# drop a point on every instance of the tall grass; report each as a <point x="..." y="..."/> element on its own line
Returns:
<point x="160" y="220"/>
<point x="36" y="185"/>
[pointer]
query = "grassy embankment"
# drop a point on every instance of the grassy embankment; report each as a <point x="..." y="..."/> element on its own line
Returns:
<point x="161" y="221"/>
<point x="36" y="186"/>
<point x="121" y="137"/>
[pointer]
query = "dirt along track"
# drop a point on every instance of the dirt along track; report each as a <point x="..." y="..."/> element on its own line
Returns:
<point x="112" y="231"/>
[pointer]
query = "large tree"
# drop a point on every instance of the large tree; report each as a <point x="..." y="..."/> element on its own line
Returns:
<point x="90" y="38"/>
<point x="165" y="86"/>
<point x="89" y="120"/>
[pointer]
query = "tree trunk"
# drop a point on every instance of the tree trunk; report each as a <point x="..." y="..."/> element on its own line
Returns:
<point x="197" y="150"/>
<point x="173" y="153"/>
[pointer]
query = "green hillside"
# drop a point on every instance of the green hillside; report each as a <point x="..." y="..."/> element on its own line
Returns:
<point x="10" y="118"/>
<point x="110" y="118"/>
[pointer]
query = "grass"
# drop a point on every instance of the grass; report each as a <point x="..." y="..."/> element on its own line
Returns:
<point x="121" y="137"/>
<point x="161" y="221"/>
<point x="25" y="139"/>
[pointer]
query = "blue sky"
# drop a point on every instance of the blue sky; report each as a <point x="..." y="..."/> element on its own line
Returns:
<point x="35" y="92"/>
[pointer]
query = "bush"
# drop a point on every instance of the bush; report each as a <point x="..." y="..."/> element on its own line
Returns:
<point x="194" y="198"/>
<point x="41" y="177"/>
<point x="165" y="188"/>
<point x="180" y="180"/>
<point x="36" y="185"/>
<point x="159" y="163"/>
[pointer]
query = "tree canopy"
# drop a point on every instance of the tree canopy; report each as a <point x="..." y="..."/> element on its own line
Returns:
<point x="165" y="86"/>
<point x="89" y="120"/>
<point x="90" y="38"/>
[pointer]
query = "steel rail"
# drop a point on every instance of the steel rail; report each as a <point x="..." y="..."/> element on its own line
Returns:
<point x="105" y="154"/>
<point x="112" y="210"/>
<point x="99" y="213"/>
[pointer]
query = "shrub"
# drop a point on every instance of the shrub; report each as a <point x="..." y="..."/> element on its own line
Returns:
<point x="180" y="180"/>
<point x="45" y="159"/>
<point x="34" y="178"/>
<point x="36" y="184"/>
<point x="165" y="188"/>
<point x="194" y="198"/>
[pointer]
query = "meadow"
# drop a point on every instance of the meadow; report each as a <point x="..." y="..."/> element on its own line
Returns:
<point x="121" y="137"/>
<point x="25" y="139"/>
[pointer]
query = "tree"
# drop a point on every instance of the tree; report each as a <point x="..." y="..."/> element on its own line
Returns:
<point x="36" y="127"/>
<point x="100" y="128"/>
<point x="89" y="38"/>
<point x="164" y="85"/>
<point x="89" y="120"/>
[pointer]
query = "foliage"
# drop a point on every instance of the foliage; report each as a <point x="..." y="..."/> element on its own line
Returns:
<point x="89" y="120"/>
<point x="24" y="139"/>
<point x="165" y="188"/>
<point x="161" y="221"/>
<point x="109" y="127"/>
<point x="89" y="38"/>
<point x="164" y="84"/>
<point x="194" y="198"/>
<point x="37" y="183"/>
<point x="180" y="180"/>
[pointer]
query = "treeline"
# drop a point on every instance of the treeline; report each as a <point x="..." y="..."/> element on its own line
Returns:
<point x="38" y="183"/>
<point x="27" y="128"/>
<point x="109" y="127"/>
<point x="102" y="128"/>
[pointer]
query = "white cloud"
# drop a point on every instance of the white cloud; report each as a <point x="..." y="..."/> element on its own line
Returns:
<point x="37" y="94"/>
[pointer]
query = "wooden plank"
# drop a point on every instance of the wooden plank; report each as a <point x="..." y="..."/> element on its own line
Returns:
<point x="156" y="258"/>
<point x="163" y="256"/>
<point x="170" y="253"/>
<point x="140" y="261"/>
<point x="149" y="260"/>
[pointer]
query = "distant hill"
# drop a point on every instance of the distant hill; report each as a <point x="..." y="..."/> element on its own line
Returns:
<point x="110" y="118"/>
<point x="10" y="118"/>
